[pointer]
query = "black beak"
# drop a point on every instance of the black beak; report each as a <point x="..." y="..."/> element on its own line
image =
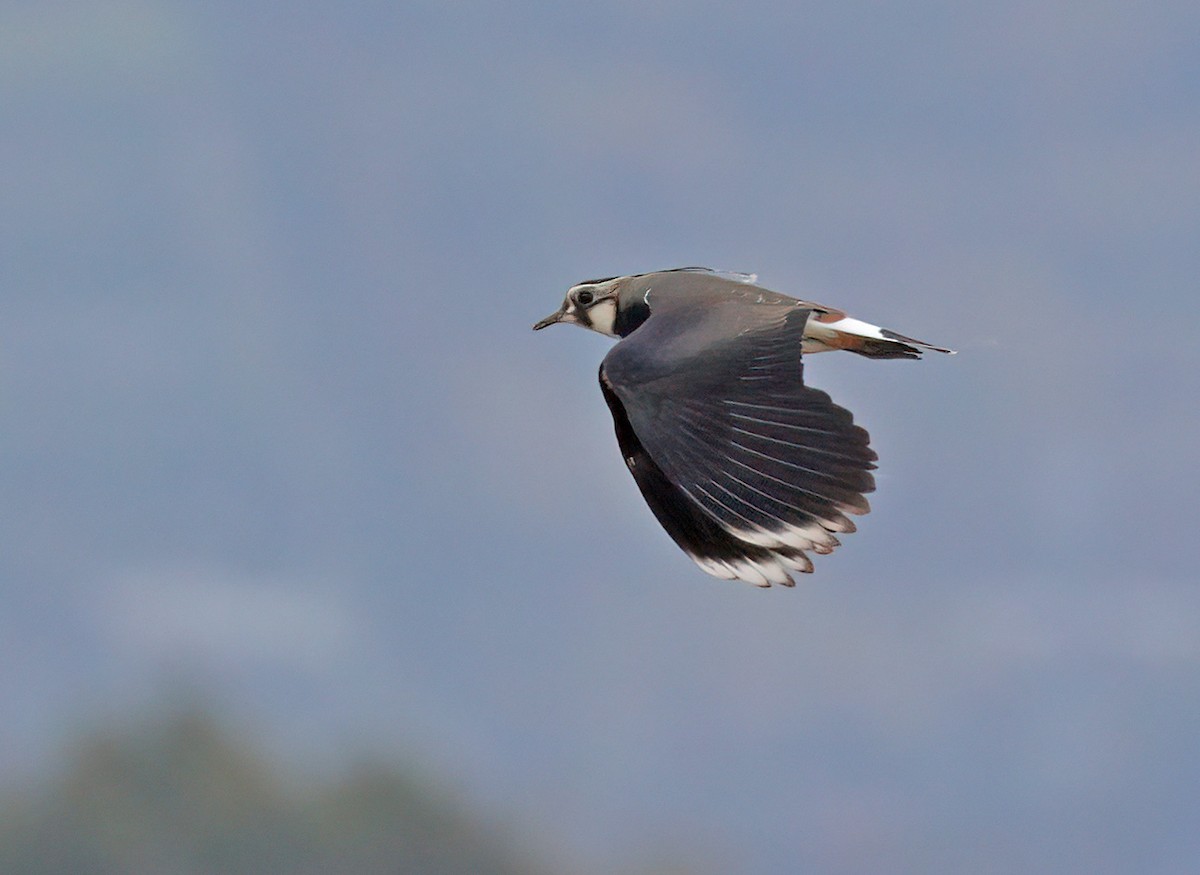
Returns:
<point x="549" y="320"/>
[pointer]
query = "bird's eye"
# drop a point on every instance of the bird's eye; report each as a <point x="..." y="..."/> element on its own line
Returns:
<point x="585" y="297"/>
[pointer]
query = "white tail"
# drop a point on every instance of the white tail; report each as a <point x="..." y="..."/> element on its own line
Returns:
<point x="854" y="335"/>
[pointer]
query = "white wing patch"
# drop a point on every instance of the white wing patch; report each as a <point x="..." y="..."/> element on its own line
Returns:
<point x="757" y="572"/>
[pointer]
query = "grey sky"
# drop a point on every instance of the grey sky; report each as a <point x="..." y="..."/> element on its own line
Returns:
<point x="275" y="422"/>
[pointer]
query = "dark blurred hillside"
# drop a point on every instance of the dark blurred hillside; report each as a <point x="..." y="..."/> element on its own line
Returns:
<point x="183" y="795"/>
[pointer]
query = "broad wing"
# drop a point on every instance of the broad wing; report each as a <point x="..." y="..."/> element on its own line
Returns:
<point x="743" y="465"/>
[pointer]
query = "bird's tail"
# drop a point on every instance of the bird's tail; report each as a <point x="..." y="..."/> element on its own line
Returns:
<point x="895" y="346"/>
<point x="865" y="339"/>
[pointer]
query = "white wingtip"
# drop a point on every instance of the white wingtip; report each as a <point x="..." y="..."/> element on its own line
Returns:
<point x="755" y="572"/>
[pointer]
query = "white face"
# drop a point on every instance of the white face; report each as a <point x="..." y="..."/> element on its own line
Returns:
<point x="592" y="305"/>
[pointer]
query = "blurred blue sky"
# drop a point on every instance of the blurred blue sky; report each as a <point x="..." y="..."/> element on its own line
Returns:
<point x="275" y="425"/>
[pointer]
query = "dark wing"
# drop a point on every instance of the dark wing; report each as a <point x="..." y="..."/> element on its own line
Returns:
<point x="745" y="466"/>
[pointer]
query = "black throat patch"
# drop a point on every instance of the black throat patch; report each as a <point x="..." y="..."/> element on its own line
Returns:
<point x="630" y="317"/>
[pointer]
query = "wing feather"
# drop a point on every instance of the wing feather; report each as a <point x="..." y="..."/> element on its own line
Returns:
<point x="744" y="465"/>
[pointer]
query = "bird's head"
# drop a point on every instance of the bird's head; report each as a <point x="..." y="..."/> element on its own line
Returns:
<point x="592" y="304"/>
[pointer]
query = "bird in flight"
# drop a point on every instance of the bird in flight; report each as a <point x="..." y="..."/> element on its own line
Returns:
<point x="746" y="467"/>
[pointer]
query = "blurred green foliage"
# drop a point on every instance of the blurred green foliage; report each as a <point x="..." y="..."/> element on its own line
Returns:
<point x="183" y="796"/>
